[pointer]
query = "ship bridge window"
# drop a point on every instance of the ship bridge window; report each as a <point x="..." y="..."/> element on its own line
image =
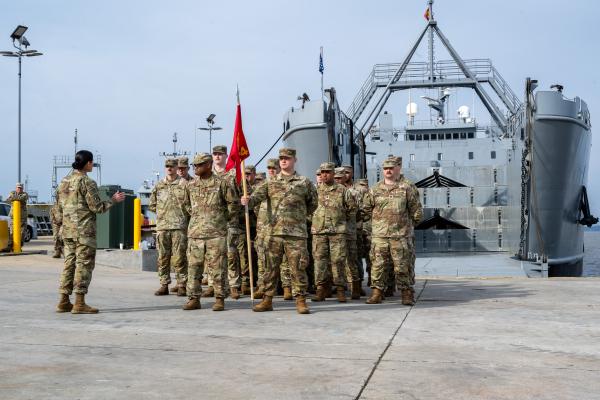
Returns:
<point x="470" y="135"/>
<point x="433" y="136"/>
<point x="448" y="136"/>
<point x="455" y="136"/>
<point x="463" y="135"/>
<point x="426" y="137"/>
<point x="470" y="155"/>
<point x="493" y="155"/>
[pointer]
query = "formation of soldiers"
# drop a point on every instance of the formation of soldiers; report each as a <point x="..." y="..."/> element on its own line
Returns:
<point x="201" y="232"/>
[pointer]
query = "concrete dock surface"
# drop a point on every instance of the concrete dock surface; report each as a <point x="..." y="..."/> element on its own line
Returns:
<point x="466" y="338"/>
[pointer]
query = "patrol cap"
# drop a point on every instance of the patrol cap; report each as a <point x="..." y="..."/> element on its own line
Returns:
<point x="202" y="158"/>
<point x="347" y="167"/>
<point x="183" y="162"/>
<point x="170" y="162"/>
<point x="318" y="172"/>
<point x="220" y="148"/>
<point x="363" y="182"/>
<point x="339" y="172"/>
<point x="250" y="169"/>
<point x="19" y="184"/>
<point x="327" y="166"/>
<point x="389" y="163"/>
<point x="398" y="160"/>
<point x="261" y="176"/>
<point x="287" y="152"/>
<point x="273" y="163"/>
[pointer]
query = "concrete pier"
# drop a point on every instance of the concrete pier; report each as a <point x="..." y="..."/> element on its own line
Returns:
<point x="466" y="338"/>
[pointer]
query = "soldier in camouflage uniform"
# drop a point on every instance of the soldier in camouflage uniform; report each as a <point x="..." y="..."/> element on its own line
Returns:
<point x="250" y="172"/>
<point x="55" y="219"/>
<point x="291" y="199"/>
<point x="219" y="155"/>
<point x="78" y="203"/>
<point x="260" y="177"/>
<point x="366" y="236"/>
<point x="329" y="226"/>
<point x="262" y="238"/>
<point x="166" y="200"/>
<point x="394" y="208"/>
<point x="21" y="196"/>
<point x="212" y="204"/>
<point x="318" y="176"/>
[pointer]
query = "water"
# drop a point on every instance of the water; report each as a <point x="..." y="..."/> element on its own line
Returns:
<point x="591" y="261"/>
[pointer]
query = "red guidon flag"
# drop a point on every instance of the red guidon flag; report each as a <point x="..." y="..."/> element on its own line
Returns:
<point x="239" y="148"/>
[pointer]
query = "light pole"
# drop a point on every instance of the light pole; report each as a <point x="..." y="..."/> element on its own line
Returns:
<point x="17" y="36"/>
<point x="210" y="121"/>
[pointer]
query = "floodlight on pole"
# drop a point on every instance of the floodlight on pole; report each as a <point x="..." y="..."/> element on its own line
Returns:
<point x="17" y="36"/>
<point x="210" y="120"/>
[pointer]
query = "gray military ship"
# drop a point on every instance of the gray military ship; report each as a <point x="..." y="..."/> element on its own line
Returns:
<point x="515" y="185"/>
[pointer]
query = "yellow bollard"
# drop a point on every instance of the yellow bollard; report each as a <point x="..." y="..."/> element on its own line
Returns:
<point x="137" y="223"/>
<point x="16" y="216"/>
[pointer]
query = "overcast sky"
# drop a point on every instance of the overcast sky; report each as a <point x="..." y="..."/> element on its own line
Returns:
<point x="127" y="74"/>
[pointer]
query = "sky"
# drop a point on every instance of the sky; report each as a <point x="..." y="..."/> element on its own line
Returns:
<point x="128" y="74"/>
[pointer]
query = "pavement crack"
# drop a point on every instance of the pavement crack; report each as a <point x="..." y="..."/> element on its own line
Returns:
<point x="389" y="344"/>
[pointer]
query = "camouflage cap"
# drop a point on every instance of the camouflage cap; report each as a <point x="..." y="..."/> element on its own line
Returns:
<point x="339" y="172"/>
<point x="389" y="163"/>
<point x="398" y="160"/>
<point x="363" y="182"/>
<point x="220" y="148"/>
<point x="250" y="169"/>
<point x="19" y="184"/>
<point x="261" y="176"/>
<point x="347" y="167"/>
<point x="318" y="172"/>
<point x="273" y="163"/>
<point x="183" y="162"/>
<point x="327" y="166"/>
<point x="201" y="158"/>
<point x="170" y="162"/>
<point x="287" y="152"/>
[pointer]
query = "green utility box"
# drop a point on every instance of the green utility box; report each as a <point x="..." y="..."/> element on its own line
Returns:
<point x="116" y="225"/>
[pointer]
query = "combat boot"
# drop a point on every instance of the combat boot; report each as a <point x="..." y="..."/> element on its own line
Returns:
<point x="265" y="305"/>
<point x="341" y="294"/>
<point x="376" y="297"/>
<point x="259" y="294"/>
<point x="181" y="291"/>
<point x="287" y="293"/>
<point x="209" y="292"/>
<point x="80" y="307"/>
<point x="57" y="254"/>
<point x="174" y="289"/>
<point x="235" y="293"/>
<point x="64" y="304"/>
<point x="408" y="297"/>
<point x="219" y="304"/>
<point x="192" y="304"/>
<point x="320" y="295"/>
<point x="245" y="289"/>
<point x="328" y="290"/>
<point x="356" y="289"/>
<point x="162" y="291"/>
<point x="301" y="306"/>
<point x="389" y="291"/>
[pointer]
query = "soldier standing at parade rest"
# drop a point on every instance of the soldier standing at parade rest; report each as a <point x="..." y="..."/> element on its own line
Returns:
<point x="292" y="199"/>
<point x="55" y="219"/>
<point x="366" y="235"/>
<point x="219" y="156"/>
<point x="394" y="208"/>
<point x="21" y="196"/>
<point x="212" y="203"/>
<point x="166" y="200"/>
<point x="329" y="226"/>
<point x="78" y="203"/>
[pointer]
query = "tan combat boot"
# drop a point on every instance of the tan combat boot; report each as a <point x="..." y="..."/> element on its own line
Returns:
<point x="80" y="307"/>
<point x="245" y="289"/>
<point x="408" y="297"/>
<point x="328" y="290"/>
<point x="235" y="294"/>
<point x="341" y="294"/>
<point x="181" y="291"/>
<point x="356" y="288"/>
<point x="376" y="297"/>
<point x="389" y="291"/>
<point x="192" y="304"/>
<point x="64" y="304"/>
<point x="209" y="292"/>
<point x="320" y="295"/>
<point x="174" y="289"/>
<point x="259" y="293"/>
<point x="219" y="304"/>
<point x="301" y="307"/>
<point x="287" y="293"/>
<point x="265" y="305"/>
<point x="162" y="291"/>
<point x="57" y="254"/>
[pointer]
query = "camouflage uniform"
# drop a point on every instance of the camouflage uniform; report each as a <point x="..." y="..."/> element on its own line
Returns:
<point x="55" y="219"/>
<point x="394" y="210"/>
<point x="365" y="233"/>
<point x="78" y="203"/>
<point x="213" y="206"/>
<point x="352" y="274"/>
<point x="329" y="227"/>
<point x="167" y="201"/>
<point x="21" y="198"/>
<point x="290" y="200"/>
